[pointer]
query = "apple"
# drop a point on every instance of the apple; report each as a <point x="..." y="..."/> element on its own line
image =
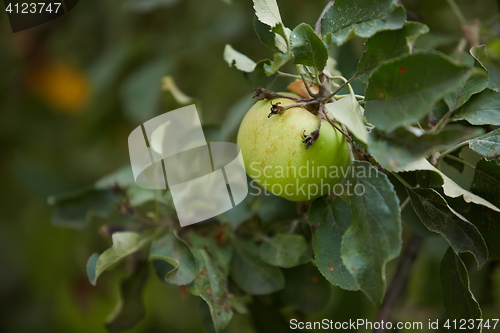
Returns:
<point x="277" y="159"/>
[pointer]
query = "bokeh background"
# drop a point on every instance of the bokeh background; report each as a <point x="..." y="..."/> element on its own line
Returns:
<point x="73" y="89"/>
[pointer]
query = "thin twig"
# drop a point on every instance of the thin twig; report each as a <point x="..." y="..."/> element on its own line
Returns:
<point x="320" y="115"/>
<point x="335" y="126"/>
<point x="461" y="161"/>
<point x="454" y="148"/>
<point x="299" y="105"/>
<point x="399" y="280"/>
<point x="292" y="75"/>
<point x="403" y="205"/>
<point x="351" y="146"/>
<point x="307" y="87"/>
<point x="456" y="10"/>
<point x="317" y="28"/>
<point x="345" y="95"/>
<point x="339" y="77"/>
<point x="309" y="72"/>
<point x="317" y="77"/>
<point x="263" y="93"/>
<point x="346" y="83"/>
<point x="402" y="180"/>
<point x="446" y="118"/>
<point x="297" y="99"/>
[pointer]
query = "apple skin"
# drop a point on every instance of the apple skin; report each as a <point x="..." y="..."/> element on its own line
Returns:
<point x="275" y="144"/>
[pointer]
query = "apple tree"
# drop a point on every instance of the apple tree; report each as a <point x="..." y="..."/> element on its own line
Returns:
<point x="411" y="116"/>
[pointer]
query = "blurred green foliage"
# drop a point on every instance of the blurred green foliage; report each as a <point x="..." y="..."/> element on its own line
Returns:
<point x="109" y="57"/>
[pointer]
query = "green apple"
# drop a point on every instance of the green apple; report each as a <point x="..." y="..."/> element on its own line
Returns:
<point x="276" y="158"/>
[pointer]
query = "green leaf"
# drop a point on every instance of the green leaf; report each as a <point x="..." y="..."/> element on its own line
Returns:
<point x="435" y="213"/>
<point x="436" y="41"/>
<point x="329" y="219"/>
<point x="422" y="178"/>
<point x="487" y="145"/>
<point x="238" y="214"/>
<point x="137" y="196"/>
<point x="238" y="60"/>
<point x="211" y="285"/>
<point x="408" y="214"/>
<point x="174" y="96"/>
<point x="458" y="298"/>
<point x="401" y="147"/>
<point x="124" y="244"/>
<point x="480" y="54"/>
<point x="272" y="208"/>
<point x="279" y="60"/>
<point x="363" y="18"/>
<point x="141" y="91"/>
<point x="486" y="182"/>
<point x="485" y="220"/>
<point x="266" y="36"/>
<point x="450" y="188"/>
<point x="221" y="256"/>
<point x="122" y="177"/>
<point x="130" y="308"/>
<point x="459" y="166"/>
<point x="307" y="48"/>
<point x="387" y="45"/>
<point x="474" y="84"/>
<point x="348" y="111"/>
<point x="76" y="209"/>
<point x="306" y="289"/>
<point x="374" y="236"/>
<point x="251" y="274"/>
<point x="173" y="260"/>
<point x="481" y="109"/>
<point x="260" y="76"/>
<point x="267" y="12"/>
<point x="403" y="91"/>
<point x="285" y="251"/>
<point x="282" y="37"/>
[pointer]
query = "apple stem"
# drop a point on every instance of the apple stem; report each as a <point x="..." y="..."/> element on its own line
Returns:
<point x="298" y="105"/>
<point x="276" y="109"/>
<point x="263" y="93"/>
